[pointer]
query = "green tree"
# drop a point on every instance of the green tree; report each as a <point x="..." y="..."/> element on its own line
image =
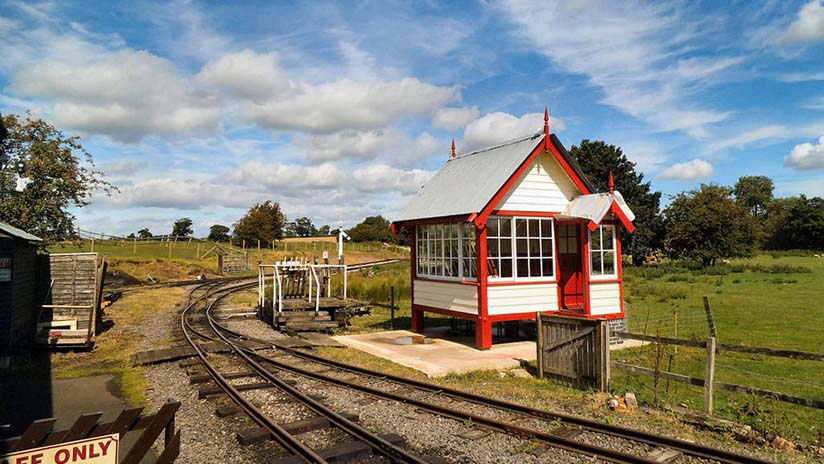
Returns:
<point x="798" y="223"/>
<point x="373" y="228"/>
<point x="182" y="227"/>
<point x="597" y="159"/>
<point x="323" y="231"/>
<point x="131" y="235"/>
<point x="61" y="174"/>
<point x="264" y="222"/>
<point x="708" y="224"/>
<point x="754" y="192"/>
<point x="304" y="227"/>
<point x="144" y="233"/>
<point x="219" y="233"/>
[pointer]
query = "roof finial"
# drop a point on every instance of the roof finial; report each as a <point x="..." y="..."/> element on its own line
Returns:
<point x="453" y="147"/>
<point x="546" y="127"/>
<point x="611" y="183"/>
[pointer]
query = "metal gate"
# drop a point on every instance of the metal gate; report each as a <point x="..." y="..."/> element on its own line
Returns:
<point x="574" y="351"/>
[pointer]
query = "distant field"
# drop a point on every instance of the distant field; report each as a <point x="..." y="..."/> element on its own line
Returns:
<point x="765" y="302"/>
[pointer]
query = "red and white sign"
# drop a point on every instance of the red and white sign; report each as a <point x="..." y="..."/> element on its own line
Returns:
<point x="97" y="450"/>
<point x="5" y="269"/>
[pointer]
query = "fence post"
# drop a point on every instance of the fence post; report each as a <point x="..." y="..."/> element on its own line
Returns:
<point x="709" y="377"/>
<point x="540" y="344"/>
<point x="258" y="247"/>
<point x="602" y="344"/>
<point x="134" y="246"/>
<point x="711" y="323"/>
<point x="392" y="307"/>
<point x="197" y="256"/>
<point x="92" y="245"/>
<point x="170" y="248"/>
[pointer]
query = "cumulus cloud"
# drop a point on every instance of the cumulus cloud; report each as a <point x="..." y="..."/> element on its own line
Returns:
<point x="353" y="145"/>
<point x="246" y="74"/>
<point x="809" y="27"/>
<point x="122" y="168"/>
<point x="126" y="95"/>
<point x="494" y="128"/>
<point x="642" y="56"/>
<point x="349" y="104"/>
<point x="806" y="156"/>
<point x="453" y="119"/>
<point x="691" y="170"/>
<point x="774" y="131"/>
<point x="380" y="178"/>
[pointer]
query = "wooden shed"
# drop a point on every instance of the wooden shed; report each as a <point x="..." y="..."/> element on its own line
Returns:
<point x="506" y="232"/>
<point x="18" y="286"/>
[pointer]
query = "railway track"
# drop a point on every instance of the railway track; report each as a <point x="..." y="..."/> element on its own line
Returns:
<point x="385" y="446"/>
<point x="571" y="433"/>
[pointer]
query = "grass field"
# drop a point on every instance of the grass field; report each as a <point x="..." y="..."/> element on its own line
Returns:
<point x="764" y="301"/>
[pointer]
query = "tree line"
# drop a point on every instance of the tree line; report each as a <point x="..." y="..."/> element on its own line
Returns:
<point x="44" y="173"/>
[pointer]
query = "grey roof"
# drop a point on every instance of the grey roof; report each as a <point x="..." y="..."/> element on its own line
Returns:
<point x="17" y="233"/>
<point x="595" y="206"/>
<point x="467" y="183"/>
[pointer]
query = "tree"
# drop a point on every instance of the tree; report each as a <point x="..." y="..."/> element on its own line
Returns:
<point x="754" y="192"/>
<point x="798" y="223"/>
<point x="264" y="222"/>
<point x="597" y="159"/>
<point x="708" y="224"/>
<point x="182" y="227"/>
<point x="304" y="227"/>
<point x="323" y="231"/>
<point x="61" y="174"/>
<point x="219" y="233"/>
<point x="373" y="228"/>
<point x="144" y="233"/>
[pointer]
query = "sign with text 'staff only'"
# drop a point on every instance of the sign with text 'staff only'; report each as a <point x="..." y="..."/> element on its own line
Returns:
<point x="97" y="450"/>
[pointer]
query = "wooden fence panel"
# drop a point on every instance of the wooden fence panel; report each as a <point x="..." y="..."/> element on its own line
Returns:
<point x="574" y="351"/>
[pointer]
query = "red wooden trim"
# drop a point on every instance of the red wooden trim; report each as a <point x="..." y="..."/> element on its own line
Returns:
<point x="456" y="282"/>
<point x="520" y="282"/>
<point x="445" y="312"/>
<point x="556" y="256"/>
<point x="613" y="280"/>
<point x="483" y="327"/>
<point x="586" y="316"/>
<point x="435" y="220"/>
<point x="417" y="316"/>
<point x="620" y="264"/>
<point x="508" y="212"/>
<point x="623" y="217"/>
<point x="516" y="316"/>
<point x="568" y="169"/>
<point x="585" y="268"/>
<point x="511" y="181"/>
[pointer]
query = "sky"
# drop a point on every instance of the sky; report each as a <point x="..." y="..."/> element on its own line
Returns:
<point x="340" y="111"/>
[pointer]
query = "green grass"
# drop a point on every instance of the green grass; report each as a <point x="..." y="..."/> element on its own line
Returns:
<point x="766" y="301"/>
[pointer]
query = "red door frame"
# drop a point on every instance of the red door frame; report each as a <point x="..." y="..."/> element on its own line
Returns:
<point x="580" y="270"/>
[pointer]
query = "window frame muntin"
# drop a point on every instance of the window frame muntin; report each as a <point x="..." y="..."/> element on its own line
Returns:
<point x="514" y="250"/>
<point x="428" y="234"/>
<point x="601" y="251"/>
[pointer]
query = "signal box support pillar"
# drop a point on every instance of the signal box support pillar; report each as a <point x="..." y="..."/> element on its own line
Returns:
<point x="483" y="333"/>
<point x="417" y="320"/>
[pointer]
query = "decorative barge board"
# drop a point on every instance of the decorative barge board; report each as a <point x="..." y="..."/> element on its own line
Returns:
<point x="18" y="287"/>
<point x="504" y="233"/>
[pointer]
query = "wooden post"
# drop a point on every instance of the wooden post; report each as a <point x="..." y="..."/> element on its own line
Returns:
<point x="392" y="307"/>
<point x="92" y="245"/>
<point x="258" y="247"/>
<point x="540" y="344"/>
<point x="198" y="251"/>
<point x="711" y="323"/>
<point x="709" y="377"/>
<point x="675" y="328"/>
<point x="243" y="244"/>
<point x="602" y="344"/>
<point x="134" y="247"/>
<point x="170" y="248"/>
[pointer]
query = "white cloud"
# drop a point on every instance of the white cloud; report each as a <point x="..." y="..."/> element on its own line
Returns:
<point x="641" y="56"/>
<point x="246" y="74"/>
<point x="802" y="77"/>
<point x="348" y="104"/>
<point x="494" y="128"/>
<point x="122" y="168"/>
<point x="743" y="139"/>
<point x="809" y="27"/>
<point x="691" y="170"/>
<point x="353" y="145"/>
<point x="126" y="95"/>
<point x="380" y="178"/>
<point x="453" y="119"/>
<point x="806" y="156"/>
<point x="816" y="104"/>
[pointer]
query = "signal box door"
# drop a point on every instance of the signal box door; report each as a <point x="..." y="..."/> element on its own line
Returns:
<point x="570" y="262"/>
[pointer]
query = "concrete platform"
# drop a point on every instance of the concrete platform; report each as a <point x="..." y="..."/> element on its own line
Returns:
<point x="440" y="357"/>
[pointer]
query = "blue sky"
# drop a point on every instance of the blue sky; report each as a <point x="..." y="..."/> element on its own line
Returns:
<point x="342" y="110"/>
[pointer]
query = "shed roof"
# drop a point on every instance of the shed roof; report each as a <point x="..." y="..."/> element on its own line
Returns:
<point x="468" y="182"/>
<point x="17" y="233"/>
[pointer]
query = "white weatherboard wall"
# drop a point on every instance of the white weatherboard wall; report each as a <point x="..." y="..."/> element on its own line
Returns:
<point x="605" y="298"/>
<point x="512" y="299"/>
<point x="545" y="187"/>
<point x="446" y="295"/>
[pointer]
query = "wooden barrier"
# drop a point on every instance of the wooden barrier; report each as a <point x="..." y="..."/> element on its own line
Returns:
<point x="574" y="351"/>
<point x="40" y="433"/>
